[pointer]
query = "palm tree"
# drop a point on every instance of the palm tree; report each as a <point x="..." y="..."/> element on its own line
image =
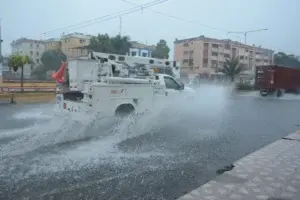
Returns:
<point x="16" y="61"/>
<point x="231" y="67"/>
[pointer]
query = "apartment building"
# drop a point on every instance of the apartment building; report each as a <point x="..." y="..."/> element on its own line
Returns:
<point x="32" y="48"/>
<point x="203" y="55"/>
<point x="73" y="45"/>
<point x="142" y="50"/>
<point x="52" y="44"/>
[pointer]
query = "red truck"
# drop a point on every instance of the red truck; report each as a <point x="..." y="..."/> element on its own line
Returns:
<point x="270" y="79"/>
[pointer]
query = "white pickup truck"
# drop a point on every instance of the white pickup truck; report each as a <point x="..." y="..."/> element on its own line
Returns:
<point x="111" y="95"/>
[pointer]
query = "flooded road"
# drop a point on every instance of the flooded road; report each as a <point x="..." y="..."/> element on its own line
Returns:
<point x="161" y="156"/>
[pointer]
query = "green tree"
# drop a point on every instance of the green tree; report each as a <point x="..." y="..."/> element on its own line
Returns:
<point x="291" y="60"/>
<point x="52" y="59"/>
<point x="106" y="44"/>
<point x="231" y="67"/>
<point x="162" y="50"/>
<point x="100" y="43"/>
<point x="120" y="45"/>
<point x="16" y="61"/>
<point x="40" y="72"/>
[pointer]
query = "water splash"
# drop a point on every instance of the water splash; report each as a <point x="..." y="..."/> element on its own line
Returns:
<point x="107" y="134"/>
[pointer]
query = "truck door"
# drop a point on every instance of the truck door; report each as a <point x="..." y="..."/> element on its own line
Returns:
<point x="172" y="87"/>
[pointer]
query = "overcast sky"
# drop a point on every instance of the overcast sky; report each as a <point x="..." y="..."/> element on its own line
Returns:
<point x="211" y="18"/>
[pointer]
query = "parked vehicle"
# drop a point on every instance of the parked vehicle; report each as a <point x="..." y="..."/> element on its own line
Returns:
<point x="270" y="79"/>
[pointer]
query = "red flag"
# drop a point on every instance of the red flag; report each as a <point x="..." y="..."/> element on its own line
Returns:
<point x="59" y="76"/>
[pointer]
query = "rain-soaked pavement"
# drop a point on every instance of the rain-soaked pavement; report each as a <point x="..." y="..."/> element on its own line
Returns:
<point x="161" y="156"/>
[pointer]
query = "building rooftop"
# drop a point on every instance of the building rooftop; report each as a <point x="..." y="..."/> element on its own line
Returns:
<point x="77" y="35"/>
<point x="26" y="40"/>
<point x="53" y="40"/>
<point x="203" y="38"/>
<point x="136" y="44"/>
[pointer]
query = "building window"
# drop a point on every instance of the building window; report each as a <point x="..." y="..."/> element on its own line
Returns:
<point x="191" y="52"/>
<point x="31" y="45"/>
<point x="241" y="57"/>
<point x="215" y="46"/>
<point x="82" y="41"/>
<point x="226" y="55"/>
<point x="186" y="44"/>
<point x="214" y="53"/>
<point x="37" y="61"/>
<point x="191" y="62"/>
<point x="133" y="53"/>
<point x="205" y="61"/>
<point x="37" y="46"/>
<point x="244" y="66"/>
<point x="214" y="64"/>
<point x="227" y="46"/>
<point x="31" y="53"/>
<point x="144" y="54"/>
<point x="185" y="53"/>
<point x="185" y="61"/>
<point x="206" y="45"/>
<point x="37" y="53"/>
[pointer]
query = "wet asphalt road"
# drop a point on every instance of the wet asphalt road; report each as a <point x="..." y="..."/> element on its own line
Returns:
<point x="161" y="157"/>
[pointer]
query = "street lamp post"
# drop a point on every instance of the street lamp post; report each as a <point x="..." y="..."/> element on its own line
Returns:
<point x="245" y="37"/>
<point x="246" y="32"/>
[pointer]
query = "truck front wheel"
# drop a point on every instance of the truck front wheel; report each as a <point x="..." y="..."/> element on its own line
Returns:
<point x="264" y="92"/>
<point x="279" y="92"/>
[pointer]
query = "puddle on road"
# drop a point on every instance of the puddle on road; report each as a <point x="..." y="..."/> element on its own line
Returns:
<point x="256" y="94"/>
<point x="107" y="134"/>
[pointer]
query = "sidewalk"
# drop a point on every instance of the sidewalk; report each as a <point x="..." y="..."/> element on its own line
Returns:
<point x="271" y="173"/>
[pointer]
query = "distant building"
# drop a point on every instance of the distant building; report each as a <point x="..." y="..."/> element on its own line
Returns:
<point x="76" y="45"/>
<point x="73" y="44"/>
<point x="29" y="47"/>
<point x="32" y="48"/>
<point x="141" y="50"/>
<point x="202" y="55"/>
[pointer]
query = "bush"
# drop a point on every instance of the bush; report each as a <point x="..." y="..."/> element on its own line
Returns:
<point x="244" y="86"/>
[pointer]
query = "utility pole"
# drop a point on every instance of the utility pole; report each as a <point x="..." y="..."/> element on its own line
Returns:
<point x="1" y="58"/>
<point x="246" y="32"/>
<point x="0" y="42"/>
<point x="120" y="26"/>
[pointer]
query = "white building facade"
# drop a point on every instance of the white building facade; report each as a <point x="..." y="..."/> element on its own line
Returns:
<point x="141" y="50"/>
<point x="28" y="47"/>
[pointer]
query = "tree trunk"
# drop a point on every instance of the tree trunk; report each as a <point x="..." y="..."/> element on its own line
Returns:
<point x="232" y="79"/>
<point x="22" y="78"/>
